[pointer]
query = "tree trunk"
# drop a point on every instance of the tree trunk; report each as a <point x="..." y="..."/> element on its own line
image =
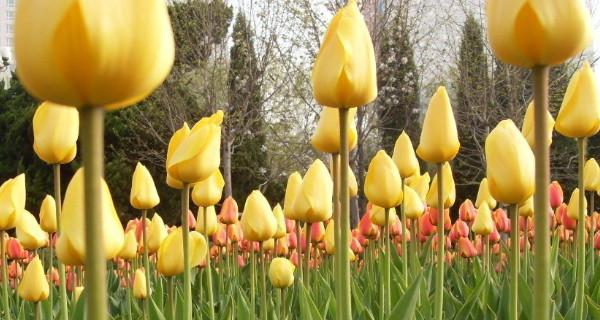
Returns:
<point x="227" y="165"/>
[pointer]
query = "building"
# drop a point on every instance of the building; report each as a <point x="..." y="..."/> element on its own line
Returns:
<point x="7" y="22"/>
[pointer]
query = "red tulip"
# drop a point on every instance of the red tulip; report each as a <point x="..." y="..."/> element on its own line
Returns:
<point x="290" y="225"/>
<point x="425" y="226"/>
<point x="366" y="227"/>
<point x="317" y="232"/>
<point x="229" y="211"/>
<point x="14" y="250"/>
<point x="467" y="211"/>
<point x="466" y="248"/>
<point x="433" y="217"/>
<point x="501" y="220"/>
<point x="555" y="193"/>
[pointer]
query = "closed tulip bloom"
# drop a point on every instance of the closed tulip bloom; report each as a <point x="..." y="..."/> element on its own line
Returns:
<point x="12" y="201"/>
<point x="48" y="214"/>
<point x="420" y="183"/>
<point x="77" y="293"/>
<point x="366" y="226"/>
<point x="484" y="196"/>
<point x="269" y="245"/>
<point x="317" y="232"/>
<point x="281" y="273"/>
<point x="29" y="232"/>
<point x="573" y="207"/>
<point x="529" y="33"/>
<point x="314" y="200"/>
<point x="143" y="191"/>
<point x="34" y="285"/>
<point x="55" y="133"/>
<point x="483" y="224"/>
<point x="327" y="134"/>
<point x="329" y="238"/>
<point x="591" y="173"/>
<point x="449" y="195"/>
<point x="467" y="211"/>
<point x="176" y="139"/>
<point x="466" y="248"/>
<point x="70" y="247"/>
<point x="404" y="156"/>
<point x="98" y="58"/>
<point x="510" y="164"/>
<point x="258" y="222"/>
<point x="414" y="207"/>
<point x="139" y="284"/>
<point x="229" y="211"/>
<point x="198" y="155"/>
<point x="378" y="216"/>
<point x="170" y="253"/>
<point x="156" y="234"/>
<point x="208" y="192"/>
<point x="294" y="183"/>
<point x="579" y="114"/>
<point x="281" y="229"/>
<point x="383" y="184"/>
<point x="439" y="137"/>
<point x="211" y="221"/>
<point x="528" y="125"/>
<point x="14" y="249"/>
<point x="344" y="73"/>
<point x="526" y="208"/>
<point x="130" y="245"/>
<point x="352" y="183"/>
<point x="555" y="194"/>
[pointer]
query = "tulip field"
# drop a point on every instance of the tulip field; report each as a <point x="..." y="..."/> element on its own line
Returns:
<point x="524" y="247"/>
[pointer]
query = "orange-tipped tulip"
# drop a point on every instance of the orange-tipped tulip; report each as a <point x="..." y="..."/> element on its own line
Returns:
<point x="555" y="194"/>
<point x="229" y="211"/>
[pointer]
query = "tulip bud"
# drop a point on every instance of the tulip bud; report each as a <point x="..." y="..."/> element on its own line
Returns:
<point x="466" y="248"/>
<point x="483" y="224"/>
<point x="281" y="273"/>
<point x="143" y="191"/>
<point x="70" y="247"/>
<point x="378" y="216"/>
<point x="529" y="124"/>
<point x="112" y="67"/>
<point x="449" y="195"/>
<point x="129" y="249"/>
<point x="573" y="207"/>
<point x="597" y="241"/>
<point x="208" y="192"/>
<point x="12" y="201"/>
<point x="220" y="237"/>
<point x="591" y="173"/>
<point x="579" y="114"/>
<point x="467" y="212"/>
<point x="258" y="222"/>
<point x="170" y="253"/>
<point x="327" y="134"/>
<point x="555" y="194"/>
<point x="139" y="284"/>
<point x="501" y="220"/>
<point x="366" y="226"/>
<point x="174" y="143"/>
<point x="439" y="137"/>
<point x="14" y="249"/>
<point x="294" y="184"/>
<point x="413" y="205"/>
<point x="268" y="245"/>
<point x="29" y="232"/>
<point x="48" y="214"/>
<point x="404" y="156"/>
<point x="55" y="133"/>
<point x="229" y="211"/>
<point x="383" y="185"/>
<point x="526" y="208"/>
<point x="197" y="154"/>
<point x="314" y="200"/>
<point x="510" y="164"/>
<point x="484" y="196"/>
<point x="34" y="285"/>
<point x="211" y="221"/>
<point x="77" y="293"/>
<point x="156" y="233"/>
<point x="330" y="238"/>
<point x="282" y="246"/>
<point x="420" y="183"/>
<point x="317" y="232"/>
<point x="344" y="73"/>
<point x="281" y="229"/>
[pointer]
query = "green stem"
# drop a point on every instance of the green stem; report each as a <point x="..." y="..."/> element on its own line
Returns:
<point x="298" y="251"/>
<point x="335" y="158"/>
<point x="526" y="249"/>
<point x="486" y="254"/>
<point x="130" y="279"/>
<point x="388" y="259"/>
<point x="146" y="302"/>
<point x="307" y="256"/>
<point x="404" y="244"/>
<point x="514" y="262"/>
<point x="541" y="280"/>
<point x="5" y="304"/>
<point x="92" y="138"/>
<point x="282" y="302"/>
<point x="187" y="288"/>
<point x="439" y="277"/>
<point x="413" y="246"/>
<point x="50" y="266"/>
<point x="211" y="300"/>
<point x="253" y="280"/>
<point x="593" y="232"/>
<point x="382" y="279"/>
<point x="64" y="311"/>
<point x="263" y="283"/>
<point x="38" y="310"/>
<point x="580" y="286"/>
<point x="171" y="297"/>
<point x="344" y="308"/>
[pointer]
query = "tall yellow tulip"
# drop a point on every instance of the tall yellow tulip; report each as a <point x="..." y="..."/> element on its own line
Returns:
<point x="12" y="201"/>
<point x="314" y="201"/>
<point x="208" y="192"/>
<point x="383" y="185"/>
<point x="579" y="114"/>
<point x="92" y="56"/>
<point x="329" y="237"/>
<point x="378" y="216"/>
<point x="573" y="206"/>
<point x="510" y="164"/>
<point x="526" y="208"/>
<point x="258" y="222"/>
<point x="439" y="138"/>
<point x="34" y="285"/>
<point x="55" y="133"/>
<point x="139" y="285"/>
<point x="156" y="233"/>
<point x="29" y="233"/>
<point x="170" y="253"/>
<point x="178" y="136"/>
<point x="70" y="246"/>
<point x="529" y="33"/>
<point x="294" y="183"/>
<point x="352" y="183"/>
<point x="212" y="225"/>
<point x="414" y="207"/>
<point x="483" y="224"/>
<point x="404" y="156"/>
<point x="528" y="125"/>
<point x="449" y="195"/>
<point x="327" y="134"/>
<point x="48" y="214"/>
<point x="484" y="196"/>
<point x="279" y="217"/>
<point x="130" y="246"/>
<point x="420" y="183"/>
<point x="143" y="191"/>
<point x="591" y="172"/>
<point x="344" y="74"/>
<point x="281" y="273"/>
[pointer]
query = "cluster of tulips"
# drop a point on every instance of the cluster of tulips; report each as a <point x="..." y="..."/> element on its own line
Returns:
<point x="106" y="55"/>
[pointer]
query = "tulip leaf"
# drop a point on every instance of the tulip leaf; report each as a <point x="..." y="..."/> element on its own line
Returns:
<point x="405" y="307"/>
<point x="79" y="310"/>
<point x="243" y="309"/>
<point x="155" y="313"/>
<point x="471" y="301"/>
<point x="593" y="308"/>
<point x="308" y="310"/>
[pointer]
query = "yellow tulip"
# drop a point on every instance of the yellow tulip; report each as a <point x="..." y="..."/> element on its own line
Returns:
<point x="591" y="173"/>
<point x="198" y="155"/>
<point x="344" y="74"/>
<point x="157" y="232"/>
<point x="404" y="156"/>
<point x="378" y="216"/>
<point x="483" y="224"/>
<point x="211" y="221"/>
<point x="143" y="191"/>
<point x="170" y="253"/>
<point x="529" y="33"/>
<point x="130" y="245"/>
<point x="81" y="53"/>
<point x="526" y="208"/>
<point x="281" y="273"/>
<point x="449" y="195"/>
<point x="579" y="114"/>
<point x="77" y="293"/>
<point x="55" y="133"/>
<point x="279" y="217"/>
<point x="176" y="139"/>
<point x="34" y="285"/>
<point x="269" y="244"/>
<point x="528" y="125"/>
<point x="29" y="233"/>
<point x="258" y="222"/>
<point x="383" y="185"/>
<point x="439" y="138"/>
<point x="314" y="201"/>
<point x="139" y="284"/>
<point x="510" y="164"/>
<point x="413" y="204"/>
<point x="208" y="192"/>
<point x="294" y="183"/>
<point x="484" y="196"/>
<point x="70" y="246"/>
<point x="329" y="237"/>
<point x="352" y="183"/>
<point x="48" y="214"/>
<point x="327" y="134"/>
<point x="12" y="201"/>
<point x="419" y="183"/>
<point x="573" y="207"/>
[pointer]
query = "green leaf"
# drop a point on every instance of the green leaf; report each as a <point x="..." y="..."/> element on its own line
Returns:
<point x="593" y="308"/>
<point x="79" y="310"/>
<point x="155" y="313"/>
<point x="308" y="310"/>
<point x="471" y="302"/>
<point x="405" y="307"/>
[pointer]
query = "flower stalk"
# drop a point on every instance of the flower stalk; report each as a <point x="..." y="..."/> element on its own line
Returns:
<point x="344" y="308"/>
<point x="439" y="276"/>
